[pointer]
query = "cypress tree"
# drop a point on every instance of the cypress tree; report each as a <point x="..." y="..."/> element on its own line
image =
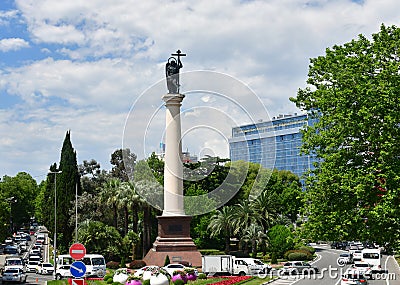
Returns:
<point x="67" y="181"/>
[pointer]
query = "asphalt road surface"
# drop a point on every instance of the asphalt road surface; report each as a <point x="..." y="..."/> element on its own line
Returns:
<point x="330" y="272"/>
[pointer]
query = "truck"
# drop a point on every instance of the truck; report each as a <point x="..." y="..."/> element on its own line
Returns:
<point x="227" y="264"/>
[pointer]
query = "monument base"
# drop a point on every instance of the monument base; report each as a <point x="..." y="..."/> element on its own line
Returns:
<point x="174" y="241"/>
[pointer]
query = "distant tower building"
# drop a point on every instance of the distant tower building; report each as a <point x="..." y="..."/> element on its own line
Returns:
<point x="279" y="140"/>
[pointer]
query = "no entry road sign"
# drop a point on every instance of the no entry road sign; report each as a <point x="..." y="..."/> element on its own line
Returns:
<point x="77" y="251"/>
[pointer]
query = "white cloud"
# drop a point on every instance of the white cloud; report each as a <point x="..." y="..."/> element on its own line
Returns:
<point x="12" y="44"/>
<point x="103" y="54"/>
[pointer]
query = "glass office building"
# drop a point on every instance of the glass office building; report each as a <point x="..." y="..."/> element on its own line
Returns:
<point x="273" y="144"/>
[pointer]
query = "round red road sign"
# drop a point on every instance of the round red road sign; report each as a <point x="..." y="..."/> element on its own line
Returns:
<point x="77" y="251"/>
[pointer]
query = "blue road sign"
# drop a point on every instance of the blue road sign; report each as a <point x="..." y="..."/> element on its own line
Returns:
<point x="78" y="269"/>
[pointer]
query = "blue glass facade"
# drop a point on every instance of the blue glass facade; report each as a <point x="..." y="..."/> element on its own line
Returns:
<point x="273" y="144"/>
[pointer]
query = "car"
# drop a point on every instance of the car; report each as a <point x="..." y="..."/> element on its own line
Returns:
<point x="63" y="272"/>
<point x="353" y="277"/>
<point x="31" y="266"/>
<point x="298" y="267"/>
<point x="11" y="249"/>
<point x="14" y="275"/>
<point x="345" y="258"/>
<point x="357" y="255"/>
<point x="172" y="267"/>
<point x="45" y="268"/>
<point x="9" y="240"/>
<point x="364" y="268"/>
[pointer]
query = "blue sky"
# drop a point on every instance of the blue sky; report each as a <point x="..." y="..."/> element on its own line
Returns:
<point x="88" y="66"/>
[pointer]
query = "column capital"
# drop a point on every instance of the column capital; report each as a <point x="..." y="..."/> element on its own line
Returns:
<point x="173" y="99"/>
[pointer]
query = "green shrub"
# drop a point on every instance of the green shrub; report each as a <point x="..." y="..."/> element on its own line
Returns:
<point x="107" y="277"/>
<point x="211" y="252"/>
<point x="167" y="261"/>
<point x="202" y="276"/>
<point x="116" y="283"/>
<point x="109" y="281"/>
<point x="297" y="256"/>
<point x="301" y="255"/>
<point x="307" y="248"/>
<point x="274" y="258"/>
<point x="146" y="282"/>
<point x="179" y="282"/>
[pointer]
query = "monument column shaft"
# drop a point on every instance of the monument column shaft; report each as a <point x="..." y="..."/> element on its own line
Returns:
<point x="173" y="169"/>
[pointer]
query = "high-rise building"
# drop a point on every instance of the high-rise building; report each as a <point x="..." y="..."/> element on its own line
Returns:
<point x="273" y="144"/>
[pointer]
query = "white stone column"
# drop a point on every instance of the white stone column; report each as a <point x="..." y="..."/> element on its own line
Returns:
<point x="173" y="168"/>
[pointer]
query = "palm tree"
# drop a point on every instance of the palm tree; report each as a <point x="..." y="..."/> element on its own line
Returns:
<point x="221" y="223"/>
<point x="266" y="205"/>
<point x="123" y="196"/>
<point x="109" y="196"/>
<point x="256" y="236"/>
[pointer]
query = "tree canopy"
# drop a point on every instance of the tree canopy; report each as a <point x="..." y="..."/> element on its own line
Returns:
<point x="353" y="98"/>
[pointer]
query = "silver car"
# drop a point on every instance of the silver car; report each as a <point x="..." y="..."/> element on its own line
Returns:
<point x="14" y="275"/>
<point x="299" y="267"/>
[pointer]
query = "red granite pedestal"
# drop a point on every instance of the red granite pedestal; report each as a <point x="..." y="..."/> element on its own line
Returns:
<point x="173" y="240"/>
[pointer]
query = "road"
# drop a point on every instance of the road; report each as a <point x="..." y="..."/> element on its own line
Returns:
<point x="330" y="272"/>
<point x="33" y="278"/>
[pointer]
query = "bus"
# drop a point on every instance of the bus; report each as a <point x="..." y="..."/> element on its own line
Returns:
<point x="372" y="256"/>
<point x="95" y="264"/>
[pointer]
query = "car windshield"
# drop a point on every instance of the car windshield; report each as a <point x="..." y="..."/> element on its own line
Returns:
<point x="47" y="265"/>
<point x="362" y="265"/>
<point x="11" y="271"/>
<point x="98" y="261"/>
<point x="258" y="262"/>
<point x="344" y="255"/>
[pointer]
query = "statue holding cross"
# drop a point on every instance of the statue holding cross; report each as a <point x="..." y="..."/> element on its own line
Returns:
<point x="172" y="72"/>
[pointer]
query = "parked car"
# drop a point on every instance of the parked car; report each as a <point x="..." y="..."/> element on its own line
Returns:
<point x="14" y="275"/>
<point x="172" y="267"/>
<point x="353" y="277"/>
<point x="45" y="268"/>
<point x="364" y="268"/>
<point x="299" y="267"/>
<point x="63" y="272"/>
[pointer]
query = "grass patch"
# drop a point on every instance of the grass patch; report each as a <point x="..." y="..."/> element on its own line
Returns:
<point x="256" y="281"/>
<point x="58" y="282"/>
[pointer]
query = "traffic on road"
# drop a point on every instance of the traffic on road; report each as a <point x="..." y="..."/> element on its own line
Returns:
<point x="25" y="257"/>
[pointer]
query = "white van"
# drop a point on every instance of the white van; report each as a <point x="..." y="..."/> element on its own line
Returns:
<point x="372" y="256"/>
<point x="13" y="262"/>
<point x="257" y="265"/>
<point x="95" y="264"/>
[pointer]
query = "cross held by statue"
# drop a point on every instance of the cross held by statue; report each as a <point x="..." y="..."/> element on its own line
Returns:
<point x="178" y="54"/>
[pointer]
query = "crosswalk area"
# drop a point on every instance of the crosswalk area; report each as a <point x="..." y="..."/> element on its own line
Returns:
<point x="285" y="280"/>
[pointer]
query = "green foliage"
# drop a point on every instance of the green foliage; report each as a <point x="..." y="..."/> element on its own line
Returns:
<point x="281" y="239"/>
<point x="100" y="238"/>
<point x="123" y="161"/>
<point x="179" y="282"/>
<point x="167" y="261"/>
<point x="22" y="189"/>
<point x="146" y="282"/>
<point x="297" y="254"/>
<point x="202" y="276"/>
<point x="353" y="101"/>
<point x="210" y="252"/>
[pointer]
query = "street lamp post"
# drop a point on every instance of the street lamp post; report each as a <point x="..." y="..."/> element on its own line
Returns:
<point x="55" y="220"/>
<point x="11" y="200"/>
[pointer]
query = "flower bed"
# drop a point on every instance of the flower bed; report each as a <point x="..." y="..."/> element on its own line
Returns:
<point x="232" y="280"/>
